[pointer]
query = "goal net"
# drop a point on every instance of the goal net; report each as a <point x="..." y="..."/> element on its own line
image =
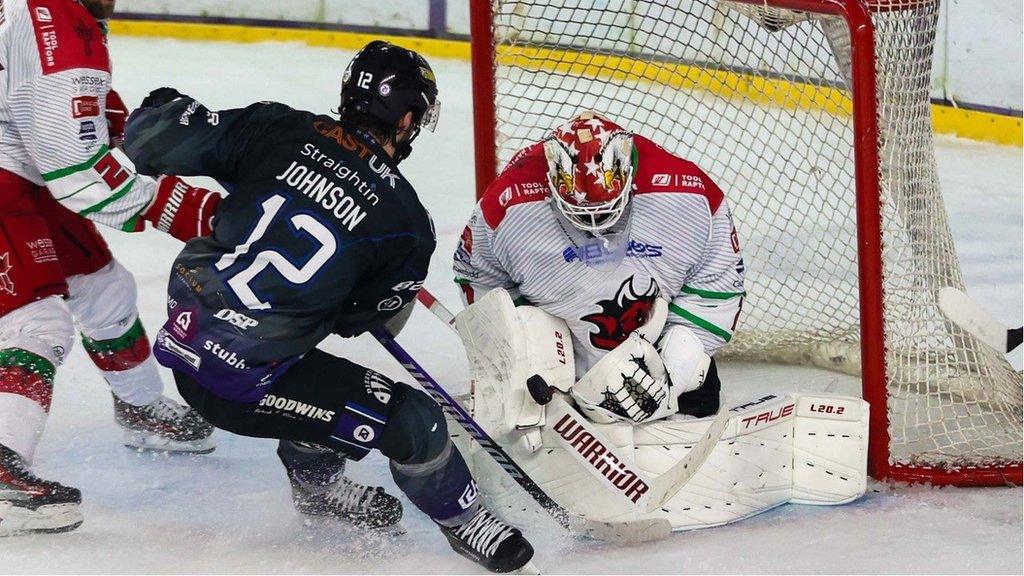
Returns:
<point x="814" y="117"/>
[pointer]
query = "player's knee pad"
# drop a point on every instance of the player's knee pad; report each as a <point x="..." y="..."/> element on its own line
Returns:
<point x="43" y="329"/>
<point x="103" y="303"/>
<point x="34" y="340"/>
<point x="425" y="464"/>
<point x="416" y="431"/>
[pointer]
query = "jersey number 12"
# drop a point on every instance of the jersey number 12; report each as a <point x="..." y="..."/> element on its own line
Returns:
<point x="239" y="282"/>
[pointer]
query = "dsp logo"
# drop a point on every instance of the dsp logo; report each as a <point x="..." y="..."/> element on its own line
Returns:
<point x="236" y="319"/>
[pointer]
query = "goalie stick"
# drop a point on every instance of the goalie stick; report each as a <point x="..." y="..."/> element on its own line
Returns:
<point x="622" y="532"/>
<point x="659" y="489"/>
<point x="967" y="314"/>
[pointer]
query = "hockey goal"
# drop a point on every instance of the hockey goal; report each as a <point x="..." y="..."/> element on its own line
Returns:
<point x="814" y="116"/>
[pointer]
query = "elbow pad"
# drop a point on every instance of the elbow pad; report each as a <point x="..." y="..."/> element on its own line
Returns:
<point x="685" y="360"/>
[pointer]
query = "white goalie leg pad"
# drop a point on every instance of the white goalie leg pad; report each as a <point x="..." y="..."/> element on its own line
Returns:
<point x="830" y="449"/>
<point x="774" y="450"/>
<point x="505" y="346"/>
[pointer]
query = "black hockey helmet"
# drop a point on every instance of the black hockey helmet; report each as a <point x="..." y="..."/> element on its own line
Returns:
<point x="384" y="81"/>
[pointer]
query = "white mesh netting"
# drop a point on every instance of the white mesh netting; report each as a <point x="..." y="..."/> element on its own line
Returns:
<point x="758" y="98"/>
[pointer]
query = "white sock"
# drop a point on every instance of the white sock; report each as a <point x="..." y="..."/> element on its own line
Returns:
<point x="139" y="385"/>
<point x="21" y="424"/>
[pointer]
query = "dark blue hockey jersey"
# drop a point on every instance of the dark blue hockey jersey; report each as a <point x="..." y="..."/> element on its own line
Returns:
<point x="320" y="233"/>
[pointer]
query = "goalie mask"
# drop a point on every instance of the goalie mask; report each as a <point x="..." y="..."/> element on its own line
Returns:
<point x="590" y="171"/>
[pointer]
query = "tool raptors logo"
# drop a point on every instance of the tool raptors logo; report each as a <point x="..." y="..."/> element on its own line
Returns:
<point x="621" y="315"/>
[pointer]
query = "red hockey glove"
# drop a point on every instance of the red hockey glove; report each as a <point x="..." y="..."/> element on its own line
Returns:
<point x="117" y="114"/>
<point x="182" y="210"/>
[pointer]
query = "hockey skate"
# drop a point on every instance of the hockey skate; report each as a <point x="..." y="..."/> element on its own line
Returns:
<point x="320" y="488"/>
<point x="30" y="504"/>
<point x="492" y="544"/>
<point x="163" y="426"/>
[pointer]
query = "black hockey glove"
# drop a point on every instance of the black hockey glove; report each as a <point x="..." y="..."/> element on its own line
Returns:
<point x="161" y="96"/>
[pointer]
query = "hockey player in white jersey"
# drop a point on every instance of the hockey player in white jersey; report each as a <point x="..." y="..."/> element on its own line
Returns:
<point x="60" y="171"/>
<point x="605" y="229"/>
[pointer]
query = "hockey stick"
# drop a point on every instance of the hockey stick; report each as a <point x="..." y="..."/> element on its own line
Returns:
<point x="658" y="490"/>
<point x="967" y="314"/>
<point x="622" y="532"/>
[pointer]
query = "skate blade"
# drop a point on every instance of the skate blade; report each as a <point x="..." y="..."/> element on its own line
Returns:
<point x="313" y="521"/>
<point x="528" y="568"/>
<point x="15" y="520"/>
<point x="150" y="442"/>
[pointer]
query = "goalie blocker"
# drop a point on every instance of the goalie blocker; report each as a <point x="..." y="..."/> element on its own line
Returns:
<point x="764" y="452"/>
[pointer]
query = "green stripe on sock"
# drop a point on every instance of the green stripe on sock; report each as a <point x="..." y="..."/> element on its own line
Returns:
<point x="18" y="357"/>
<point x="123" y="342"/>
<point x="461" y="280"/>
<point x="697" y="320"/>
<point x="710" y="294"/>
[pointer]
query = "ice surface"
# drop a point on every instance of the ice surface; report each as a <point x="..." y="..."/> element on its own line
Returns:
<point x="230" y="512"/>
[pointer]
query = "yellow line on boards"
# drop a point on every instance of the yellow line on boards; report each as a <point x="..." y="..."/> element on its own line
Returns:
<point x="972" y="124"/>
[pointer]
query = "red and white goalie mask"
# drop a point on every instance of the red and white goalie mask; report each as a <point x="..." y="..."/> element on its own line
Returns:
<point x="590" y="170"/>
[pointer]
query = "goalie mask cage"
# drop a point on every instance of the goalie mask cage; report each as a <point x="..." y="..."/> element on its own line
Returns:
<point x="814" y="117"/>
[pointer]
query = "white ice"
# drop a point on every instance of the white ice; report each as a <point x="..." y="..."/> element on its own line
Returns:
<point x="230" y="512"/>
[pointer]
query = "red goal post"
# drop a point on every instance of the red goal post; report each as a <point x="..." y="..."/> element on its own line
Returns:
<point x="940" y="465"/>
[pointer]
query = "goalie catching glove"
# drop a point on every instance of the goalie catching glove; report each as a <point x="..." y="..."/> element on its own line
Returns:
<point x="638" y="382"/>
<point x="629" y="383"/>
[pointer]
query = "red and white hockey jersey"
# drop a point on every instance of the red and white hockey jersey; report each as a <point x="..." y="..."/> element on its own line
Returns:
<point x="676" y="242"/>
<point x="54" y="79"/>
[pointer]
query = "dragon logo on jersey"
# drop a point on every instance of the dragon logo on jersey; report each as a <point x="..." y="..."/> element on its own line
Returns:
<point x="621" y="315"/>
<point x="6" y="284"/>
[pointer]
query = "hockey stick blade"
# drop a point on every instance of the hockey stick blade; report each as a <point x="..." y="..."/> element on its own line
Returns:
<point x="630" y="532"/>
<point x="960" y="309"/>
<point x="671" y="481"/>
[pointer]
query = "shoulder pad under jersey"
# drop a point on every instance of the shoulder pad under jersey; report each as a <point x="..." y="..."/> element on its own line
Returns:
<point x="523" y="180"/>
<point x="67" y="37"/>
<point x="661" y="172"/>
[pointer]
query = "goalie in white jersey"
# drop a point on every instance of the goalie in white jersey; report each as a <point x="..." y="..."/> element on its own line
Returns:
<point x="633" y="247"/>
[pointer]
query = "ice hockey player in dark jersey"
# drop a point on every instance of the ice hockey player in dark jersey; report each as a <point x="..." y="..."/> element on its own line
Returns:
<point x="320" y="234"/>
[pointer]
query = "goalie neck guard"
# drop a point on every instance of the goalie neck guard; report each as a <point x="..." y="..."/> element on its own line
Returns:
<point x="591" y="161"/>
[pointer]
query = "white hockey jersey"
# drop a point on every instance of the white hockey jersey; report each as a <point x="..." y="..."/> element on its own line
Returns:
<point x="54" y="79"/>
<point x="676" y="242"/>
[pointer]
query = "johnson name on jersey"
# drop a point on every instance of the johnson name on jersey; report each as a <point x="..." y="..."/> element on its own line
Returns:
<point x="319" y="233"/>
<point x="54" y="79"/>
<point x="676" y="241"/>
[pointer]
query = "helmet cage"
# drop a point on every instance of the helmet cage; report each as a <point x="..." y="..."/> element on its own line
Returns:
<point x="566" y="179"/>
